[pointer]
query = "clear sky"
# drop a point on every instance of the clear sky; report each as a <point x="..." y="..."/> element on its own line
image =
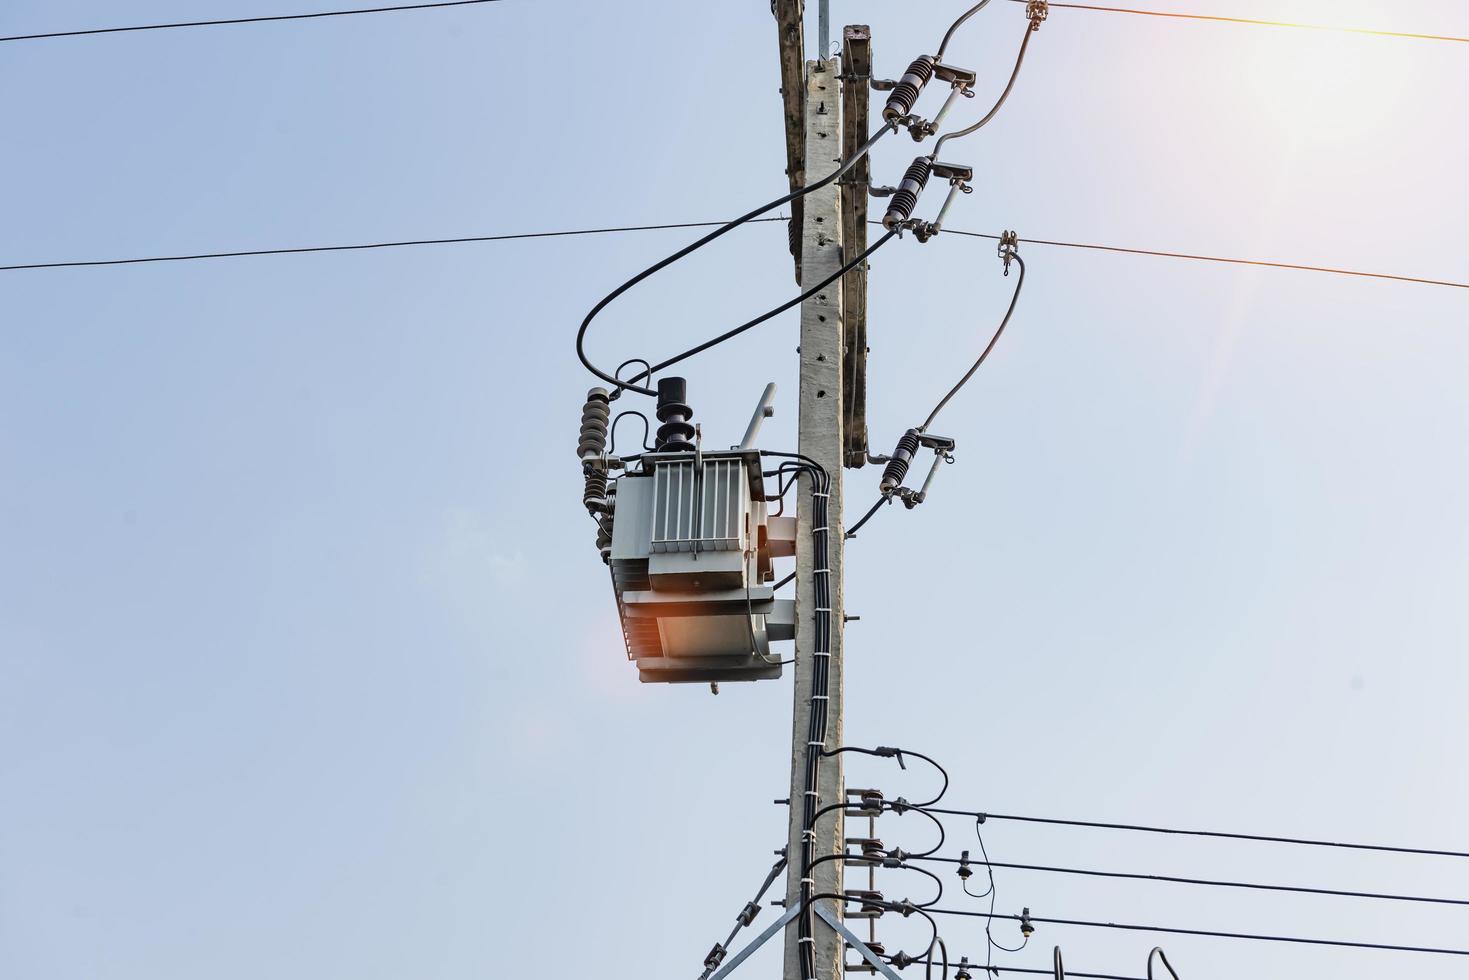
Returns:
<point x="308" y="667"/>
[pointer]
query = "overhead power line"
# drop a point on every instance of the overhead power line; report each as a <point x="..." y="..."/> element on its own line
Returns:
<point x="1211" y="933"/>
<point x="368" y="246"/>
<point x="1209" y="882"/>
<point x="466" y="240"/>
<point x="1262" y="838"/>
<point x="1227" y="261"/>
<point x="249" y="20"/>
<point x="1214" y="18"/>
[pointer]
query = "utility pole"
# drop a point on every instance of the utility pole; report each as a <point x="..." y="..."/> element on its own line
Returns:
<point x="821" y="438"/>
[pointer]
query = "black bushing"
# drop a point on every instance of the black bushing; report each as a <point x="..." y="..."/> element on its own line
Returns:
<point x="676" y="434"/>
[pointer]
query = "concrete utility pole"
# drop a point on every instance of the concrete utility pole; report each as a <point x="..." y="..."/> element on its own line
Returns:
<point x="821" y="438"/>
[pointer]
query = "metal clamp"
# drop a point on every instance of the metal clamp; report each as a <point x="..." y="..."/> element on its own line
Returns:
<point x="1008" y="248"/>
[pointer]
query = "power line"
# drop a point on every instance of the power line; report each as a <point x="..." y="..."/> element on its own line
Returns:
<point x="1056" y="821"/>
<point x="89" y="263"/>
<point x="1211" y="933"/>
<point x="1258" y="23"/>
<point x="249" y="20"/>
<point x="1134" y="876"/>
<point x="1227" y="261"/>
<point x="364" y="247"/>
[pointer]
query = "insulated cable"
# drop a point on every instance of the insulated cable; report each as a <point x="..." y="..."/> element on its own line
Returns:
<point x="748" y="324"/>
<point x="820" y="489"/>
<point x="1158" y="952"/>
<point x="997" y="970"/>
<point x="724" y="229"/>
<point x="1030" y="28"/>
<point x="888" y="752"/>
<point x="884" y="499"/>
<point x="949" y="34"/>
<point x="1009" y="311"/>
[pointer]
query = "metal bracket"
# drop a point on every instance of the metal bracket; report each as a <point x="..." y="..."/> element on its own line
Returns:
<point x="856" y="943"/>
<point x="829" y="919"/>
<point x="758" y="941"/>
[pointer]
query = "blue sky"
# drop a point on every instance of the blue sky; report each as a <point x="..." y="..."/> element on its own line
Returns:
<point x="308" y="667"/>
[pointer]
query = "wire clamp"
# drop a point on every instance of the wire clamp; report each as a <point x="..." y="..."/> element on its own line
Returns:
<point x="1008" y="248"/>
<point x="1036" y="11"/>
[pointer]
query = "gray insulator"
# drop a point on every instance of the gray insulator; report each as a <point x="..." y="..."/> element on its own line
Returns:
<point x="594" y="416"/>
<point x="604" y="538"/>
<point x="897" y="468"/>
<point x="906" y="198"/>
<point x="906" y="92"/>
<point x="594" y="494"/>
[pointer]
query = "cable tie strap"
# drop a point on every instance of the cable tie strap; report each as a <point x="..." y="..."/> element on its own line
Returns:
<point x="821" y="697"/>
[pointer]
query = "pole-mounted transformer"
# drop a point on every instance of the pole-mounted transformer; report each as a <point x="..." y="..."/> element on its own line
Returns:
<point x="690" y="543"/>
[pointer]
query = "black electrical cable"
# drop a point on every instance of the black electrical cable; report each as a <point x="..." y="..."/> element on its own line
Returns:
<point x="884" y="499"/>
<point x="949" y="34"/>
<point x="993" y="893"/>
<point x="1030" y="28"/>
<point x="695" y="246"/>
<point x="900" y="865"/>
<point x="1262" y="838"/>
<point x="1051" y="973"/>
<point x="612" y="430"/>
<point x="249" y="20"/>
<point x="820" y="489"/>
<point x="784" y="582"/>
<point x="748" y="324"/>
<point x="1014" y="298"/>
<point x="617" y="371"/>
<point x="928" y="959"/>
<point x="1212" y="883"/>
<point x="1158" y="952"/>
<point x="1213" y="933"/>
<point x="903" y="908"/>
<point x="888" y="752"/>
